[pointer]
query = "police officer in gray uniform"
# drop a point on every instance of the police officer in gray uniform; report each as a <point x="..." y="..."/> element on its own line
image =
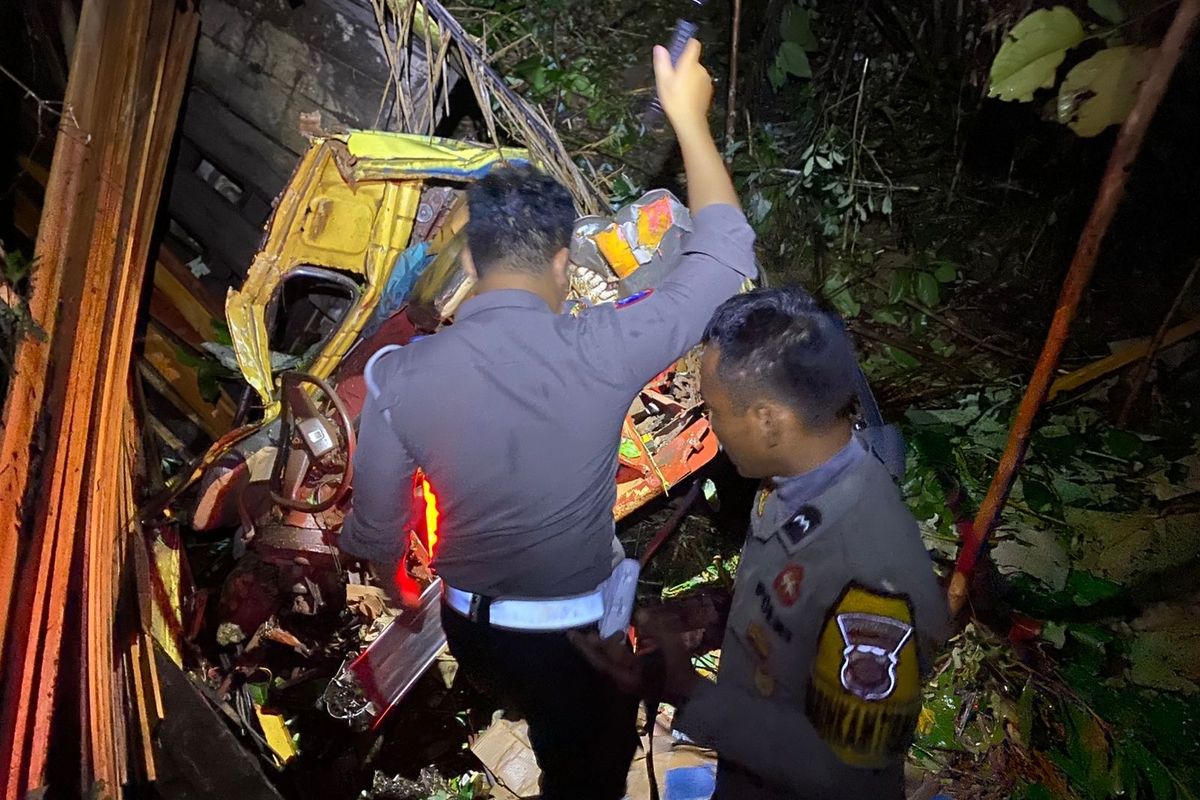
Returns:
<point x="836" y="610"/>
<point x="514" y="414"/>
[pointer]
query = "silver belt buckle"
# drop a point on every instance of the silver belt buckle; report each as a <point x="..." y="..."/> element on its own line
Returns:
<point x="478" y="608"/>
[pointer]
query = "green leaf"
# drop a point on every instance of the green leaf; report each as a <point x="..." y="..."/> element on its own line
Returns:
<point x="946" y="272"/>
<point x="1161" y="786"/>
<point x="1092" y="635"/>
<point x="1032" y="52"/>
<point x="901" y="286"/>
<point x="1038" y="495"/>
<point x="1087" y="589"/>
<point x="1089" y="754"/>
<point x="1109" y="10"/>
<point x="258" y="692"/>
<point x="1123" y="444"/>
<point x="1125" y="547"/>
<point x="1100" y="91"/>
<point x="1165" y="654"/>
<point x="1071" y="493"/>
<point x="928" y="290"/>
<point x="936" y="727"/>
<point x="776" y="76"/>
<point x="902" y="357"/>
<point x="221" y="333"/>
<point x="1025" y="714"/>
<point x="796" y="26"/>
<point x="846" y="305"/>
<point x="1037" y="791"/>
<point x="1161" y="660"/>
<point x="1055" y="633"/>
<point x="793" y="60"/>
<point x="16" y="266"/>
<point x="1036" y="553"/>
<point x="210" y="390"/>
<point x="934" y="448"/>
<point x="188" y="359"/>
<point x="629" y="448"/>
<point x="888" y="316"/>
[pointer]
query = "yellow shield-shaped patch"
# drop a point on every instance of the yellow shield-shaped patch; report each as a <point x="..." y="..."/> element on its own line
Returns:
<point x="865" y="693"/>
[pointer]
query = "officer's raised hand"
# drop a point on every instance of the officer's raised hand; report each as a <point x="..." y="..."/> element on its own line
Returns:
<point x="685" y="90"/>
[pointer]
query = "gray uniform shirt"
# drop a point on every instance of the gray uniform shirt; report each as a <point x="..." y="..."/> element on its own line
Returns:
<point x="514" y="413"/>
<point x="755" y="715"/>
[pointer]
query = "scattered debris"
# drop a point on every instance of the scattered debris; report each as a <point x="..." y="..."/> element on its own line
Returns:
<point x="505" y="751"/>
<point x="429" y="785"/>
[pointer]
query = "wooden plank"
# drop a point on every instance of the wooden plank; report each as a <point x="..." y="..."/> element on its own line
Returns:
<point x="181" y="303"/>
<point x="213" y="221"/>
<point x="102" y="718"/>
<point x="236" y="145"/>
<point x="167" y="436"/>
<point x="61" y="249"/>
<point x="168" y="261"/>
<point x="69" y="205"/>
<point x="184" y="392"/>
<point x="78" y="538"/>
<point x="94" y="507"/>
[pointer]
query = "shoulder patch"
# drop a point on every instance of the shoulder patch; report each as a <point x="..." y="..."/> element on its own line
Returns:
<point x="864" y="695"/>
<point x="804" y="520"/>
<point x="636" y="297"/>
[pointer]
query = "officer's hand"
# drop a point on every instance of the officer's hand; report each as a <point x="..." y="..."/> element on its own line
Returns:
<point x="685" y="89"/>
<point x="402" y="589"/>
<point x="661" y="633"/>
<point x="612" y="657"/>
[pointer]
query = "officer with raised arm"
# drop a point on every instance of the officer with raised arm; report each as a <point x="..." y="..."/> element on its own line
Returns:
<point x="514" y="414"/>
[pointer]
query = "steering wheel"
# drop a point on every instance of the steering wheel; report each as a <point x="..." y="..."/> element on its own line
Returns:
<point x="308" y="446"/>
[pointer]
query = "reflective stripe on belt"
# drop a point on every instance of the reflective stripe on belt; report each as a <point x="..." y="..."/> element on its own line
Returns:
<point x="548" y="614"/>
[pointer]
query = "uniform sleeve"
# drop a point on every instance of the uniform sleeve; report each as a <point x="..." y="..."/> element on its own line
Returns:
<point x="760" y="736"/>
<point x="862" y="700"/>
<point x="645" y="336"/>
<point x="376" y="527"/>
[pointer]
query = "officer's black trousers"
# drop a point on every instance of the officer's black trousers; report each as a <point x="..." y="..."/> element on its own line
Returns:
<point x="582" y="728"/>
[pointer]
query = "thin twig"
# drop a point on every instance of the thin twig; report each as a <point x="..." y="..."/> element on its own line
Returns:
<point x="1143" y="372"/>
<point x="499" y="54"/>
<point x="731" y="96"/>
<point x="56" y="107"/>
<point x="855" y="142"/>
<point x="43" y="105"/>
<point x="853" y="182"/>
<point x="430" y="76"/>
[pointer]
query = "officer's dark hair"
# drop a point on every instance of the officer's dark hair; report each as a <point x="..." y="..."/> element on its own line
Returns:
<point x="779" y="343"/>
<point x="519" y="219"/>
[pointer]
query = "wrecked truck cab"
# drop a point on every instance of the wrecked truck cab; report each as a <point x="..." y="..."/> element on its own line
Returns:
<point x="362" y="252"/>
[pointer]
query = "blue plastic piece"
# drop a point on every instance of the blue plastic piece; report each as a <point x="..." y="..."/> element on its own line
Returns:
<point x="408" y="267"/>
<point x="691" y="783"/>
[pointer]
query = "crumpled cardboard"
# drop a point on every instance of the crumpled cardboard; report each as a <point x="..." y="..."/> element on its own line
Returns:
<point x="505" y="750"/>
